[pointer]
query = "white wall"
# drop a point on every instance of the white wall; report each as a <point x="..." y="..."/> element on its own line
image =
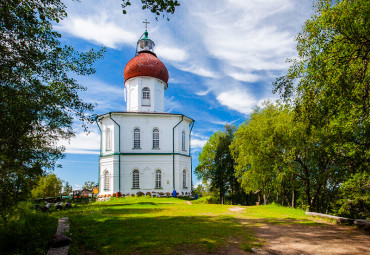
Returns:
<point x="134" y="94"/>
<point x="148" y="163"/>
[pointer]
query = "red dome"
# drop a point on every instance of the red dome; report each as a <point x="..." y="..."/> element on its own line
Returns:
<point x="145" y="64"/>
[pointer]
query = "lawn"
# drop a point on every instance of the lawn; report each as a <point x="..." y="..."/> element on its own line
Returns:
<point x="168" y="226"/>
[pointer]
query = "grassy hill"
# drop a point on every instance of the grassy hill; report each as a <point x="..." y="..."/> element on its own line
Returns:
<point x="170" y="226"/>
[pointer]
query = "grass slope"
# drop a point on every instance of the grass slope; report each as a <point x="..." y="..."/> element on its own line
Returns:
<point x="168" y="226"/>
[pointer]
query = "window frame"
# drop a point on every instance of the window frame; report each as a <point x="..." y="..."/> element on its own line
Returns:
<point x="135" y="179"/>
<point x="158" y="179"/>
<point x="106" y="180"/>
<point x="145" y="97"/>
<point x="137" y="138"/>
<point x="183" y="141"/>
<point x="155" y="138"/>
<point x="184" y="181"/>
<point x="108" y="139"/>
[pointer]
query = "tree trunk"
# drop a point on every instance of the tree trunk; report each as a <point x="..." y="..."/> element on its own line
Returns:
<point x="264" y="198"/>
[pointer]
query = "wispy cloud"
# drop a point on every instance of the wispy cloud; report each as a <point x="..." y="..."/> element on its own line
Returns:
<point x="98" y="29"/>
<point x="171" y="53"/>
<point x="223" y="123"/>
<point x="238" y="99"/>
<point x="82" y="143"/>
<point x="197" y="143"/>
<point x="203" y="93"/>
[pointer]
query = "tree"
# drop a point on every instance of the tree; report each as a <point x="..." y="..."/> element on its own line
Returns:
<point x="354" y="197"/>
<point x="38" y="96"/>
<point x="157" y="7"/>
<point x="329" y="82"/>
<point x="89" y="185"/>
<point x="261" y="149"/>
<point x="329" y="87"/>
<point x="216" y="164"/>
<point x="67" y="189"/>
<point x="47" y="186"/>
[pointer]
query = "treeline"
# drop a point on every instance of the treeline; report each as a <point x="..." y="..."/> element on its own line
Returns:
<point x="311" y="149"/>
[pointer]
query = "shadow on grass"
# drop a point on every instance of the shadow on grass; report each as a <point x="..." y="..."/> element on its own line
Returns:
<point x="155" y="235"/>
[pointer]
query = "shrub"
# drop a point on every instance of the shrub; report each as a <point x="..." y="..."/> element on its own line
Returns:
<point x="148" y="194"/>
<point x="206" y="200"/>
<point x="140" y="194"/>
<point x="26" y="231"/>
<point x="354" y="199"/>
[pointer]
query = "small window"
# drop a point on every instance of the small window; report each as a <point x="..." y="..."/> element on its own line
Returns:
<point x="135" y="179"/>
<point x="184" y="178"/>
<point x="183" y="141"/>
<point x="155" y="138"/>
<point x="158" y="179"/>
<point x="108" y="145"/>
<point x="136" y="138"/>
<point x="146" y="97"/>
<point x="106" y="180"/>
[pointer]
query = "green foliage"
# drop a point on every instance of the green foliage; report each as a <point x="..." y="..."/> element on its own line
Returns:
<point x="67" y="189"/>
<point x="328" y="86"/>
<point x="264" y="149"/>
<point x="38" y="96"/>
<point x="26" y="231"/>
<point x="157" y="7"/>
<point x="354" y="199"/>
<point x="47" y="186"/>
<point x="89" y="185"/>
<point x="216" y="165"/>
<point x="330" y="80"/>
<point x="206" y="200"/>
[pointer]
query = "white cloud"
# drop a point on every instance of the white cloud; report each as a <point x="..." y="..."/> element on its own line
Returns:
<point x="247" y="77"/>
<point x="82" y="143"/>
<point x="238" y="99"/>
<point x="223" y="123"/>
<point x="197" y="143"/>
<point x="199" y="70"/>
<point x="203" y="93"/>
<point x="98" y="29"/>
<point x="172" y="54"/>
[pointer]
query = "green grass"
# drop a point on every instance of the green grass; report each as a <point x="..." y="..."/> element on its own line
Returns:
<point x="26" y="231"/>
<point x="167" y="226"/>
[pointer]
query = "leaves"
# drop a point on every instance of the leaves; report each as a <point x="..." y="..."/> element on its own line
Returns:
<point x="157" y="7"/>
<point x="39" y="98"/>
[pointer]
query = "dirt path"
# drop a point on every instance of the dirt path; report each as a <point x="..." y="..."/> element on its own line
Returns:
<point x="306" y="239"/>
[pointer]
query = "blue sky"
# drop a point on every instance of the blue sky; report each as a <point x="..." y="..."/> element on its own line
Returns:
<point x="222" y="57"/>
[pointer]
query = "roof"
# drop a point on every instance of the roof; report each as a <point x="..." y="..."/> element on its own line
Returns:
<point x="146" y="64"/>
<point x="144" y="113"/>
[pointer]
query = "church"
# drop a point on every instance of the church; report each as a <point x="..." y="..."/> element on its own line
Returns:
<point x="144" y="149"/>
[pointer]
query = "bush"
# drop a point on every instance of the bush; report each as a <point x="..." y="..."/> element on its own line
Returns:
<point x="354" y="199"/>
<point x="26" y="231"/>
<point x="206" y="200"/>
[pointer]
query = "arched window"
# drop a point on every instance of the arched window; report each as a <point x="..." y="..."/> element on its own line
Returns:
<point x="184" y="178"/>
<point x="146" y="97"/>
<point x="136" y="138"/>
<point x="155" y="138"/>
<point x="108" y="141"/>
<point x="106" y="180"/>
<point x="183" y="140"/>
<point x="135" y="179"/>
<point x="158" y="179"/>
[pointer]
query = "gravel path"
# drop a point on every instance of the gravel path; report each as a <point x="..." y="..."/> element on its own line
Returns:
<point x="306" y="239"/>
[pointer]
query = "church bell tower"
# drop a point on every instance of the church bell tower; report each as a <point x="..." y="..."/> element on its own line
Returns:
<point x="146" y="79"/>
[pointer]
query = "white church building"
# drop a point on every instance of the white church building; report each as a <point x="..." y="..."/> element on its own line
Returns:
<point x="145" y="149"/>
